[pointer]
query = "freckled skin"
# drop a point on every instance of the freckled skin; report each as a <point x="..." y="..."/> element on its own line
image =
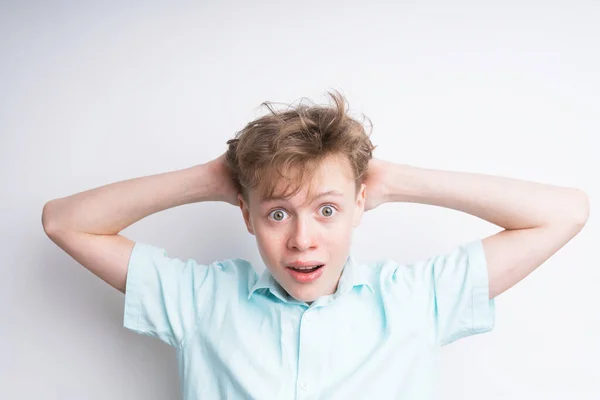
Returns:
<point x="299" y="229"/>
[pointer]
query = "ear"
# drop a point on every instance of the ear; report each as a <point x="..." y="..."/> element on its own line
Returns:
<point x="246" y="213"/>
<point x="359" y="210"/>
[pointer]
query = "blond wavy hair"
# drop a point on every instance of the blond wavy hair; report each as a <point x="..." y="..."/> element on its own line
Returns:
<point x="291" y="144"/>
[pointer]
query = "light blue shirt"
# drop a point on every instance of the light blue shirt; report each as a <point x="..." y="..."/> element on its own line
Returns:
<point x="241" y="336"/>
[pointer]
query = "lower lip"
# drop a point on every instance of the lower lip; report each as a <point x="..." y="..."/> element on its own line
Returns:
<point x="306" y="277"/>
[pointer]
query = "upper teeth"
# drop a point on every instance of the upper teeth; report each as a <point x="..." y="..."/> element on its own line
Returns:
<point x="309" y="267"/>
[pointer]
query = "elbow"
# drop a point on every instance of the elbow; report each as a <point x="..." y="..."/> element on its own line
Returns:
<point x="48" y="223"/>
<point x="574" y="212"/>
<point x="578" y="213"/>
<point x="583" y="208"/>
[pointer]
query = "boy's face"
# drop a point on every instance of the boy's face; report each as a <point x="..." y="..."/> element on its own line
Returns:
<point x="301" y="229"/>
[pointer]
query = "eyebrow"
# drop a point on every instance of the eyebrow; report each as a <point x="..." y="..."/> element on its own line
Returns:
<point x="333" y="192"/>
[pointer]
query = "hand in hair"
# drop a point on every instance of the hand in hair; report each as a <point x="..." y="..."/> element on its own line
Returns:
<point x="375" y="181"/>
<point x="227" y="190"/>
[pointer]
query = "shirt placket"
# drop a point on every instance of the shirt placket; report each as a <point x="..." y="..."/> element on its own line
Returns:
<point x="308" y="355"/>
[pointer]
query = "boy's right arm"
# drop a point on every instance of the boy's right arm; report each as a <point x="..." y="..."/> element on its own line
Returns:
<point x="86" y="225"/>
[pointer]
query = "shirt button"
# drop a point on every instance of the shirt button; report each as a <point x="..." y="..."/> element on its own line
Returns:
<point x="304" y="386"/>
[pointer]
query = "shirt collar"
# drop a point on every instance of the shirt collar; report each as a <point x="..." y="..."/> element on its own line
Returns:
<point x="353" y="274"/>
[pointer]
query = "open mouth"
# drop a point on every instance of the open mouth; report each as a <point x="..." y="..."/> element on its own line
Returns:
<point x="305" y="270"/>
<point x="306" y="274"/>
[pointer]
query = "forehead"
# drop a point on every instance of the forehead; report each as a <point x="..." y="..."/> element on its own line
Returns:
<point x="333" y="177"/>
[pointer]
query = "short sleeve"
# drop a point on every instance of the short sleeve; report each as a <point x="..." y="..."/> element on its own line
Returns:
<point x="460" y="289"/>
<point x="160" y="294"/>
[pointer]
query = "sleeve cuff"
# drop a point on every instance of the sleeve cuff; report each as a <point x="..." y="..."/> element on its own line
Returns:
<point x="133" y="289"/>
<point x="484" y="308"/>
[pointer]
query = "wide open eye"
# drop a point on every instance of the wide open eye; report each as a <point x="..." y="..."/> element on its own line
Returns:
<point x="277" y="215"/>
<point x="330" y="210"/>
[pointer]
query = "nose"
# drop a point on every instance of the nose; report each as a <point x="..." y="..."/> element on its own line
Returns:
<point x="303" y="236"/>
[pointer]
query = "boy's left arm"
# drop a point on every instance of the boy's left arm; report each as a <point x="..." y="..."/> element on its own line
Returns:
<point x="538" y="219"/>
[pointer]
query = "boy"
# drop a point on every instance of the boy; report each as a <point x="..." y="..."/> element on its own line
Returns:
<point x="317" y="324"/>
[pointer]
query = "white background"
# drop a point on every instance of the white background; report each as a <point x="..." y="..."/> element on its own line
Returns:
<point x="97" y="93"/>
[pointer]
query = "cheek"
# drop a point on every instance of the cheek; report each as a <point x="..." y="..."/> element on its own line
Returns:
<point x="344" y="226"/>
<point x="269" y="241"/>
